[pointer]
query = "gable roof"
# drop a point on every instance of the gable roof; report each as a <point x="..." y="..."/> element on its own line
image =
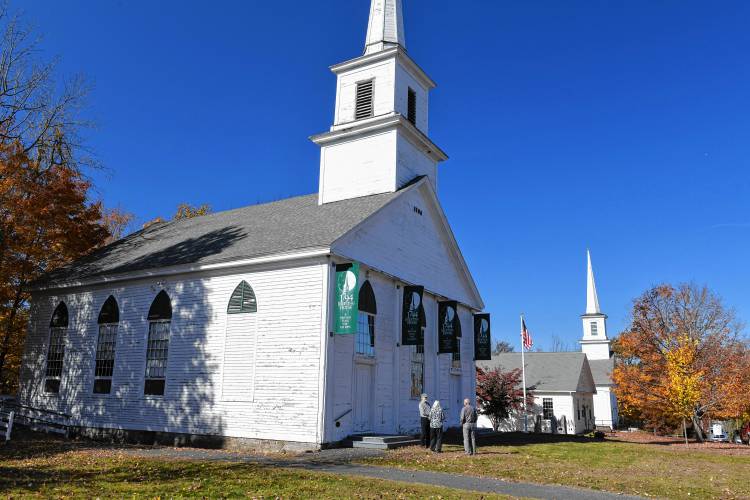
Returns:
<point x="602" y="369"/>
<point x="548" y="371"/>
<point x="293" y="224"/>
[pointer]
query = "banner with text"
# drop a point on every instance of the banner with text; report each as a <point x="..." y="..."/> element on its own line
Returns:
<point x="448" y="326"/>
<point x="347" y="299"/>
<point x="412" y="316"/>
<point x="482" y="338"/>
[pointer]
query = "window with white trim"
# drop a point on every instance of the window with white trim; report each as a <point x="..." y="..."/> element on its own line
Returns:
<point x="548" y="410"/>
<point x="240" y="346"/>
<point x="157" y="349"/>
<point x="417" y="370"/>
<point x="56" y="349"/>
<point x="368" y="309"/>
<point x="456" y="357"/>
<point x="594" y="328"/>
<point x="109" y="318"/>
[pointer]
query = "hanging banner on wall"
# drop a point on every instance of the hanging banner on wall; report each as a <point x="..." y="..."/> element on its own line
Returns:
<point x="482" y="338"/>
<point x="412" y="316"/>
<point x="448" y="326"/>
<point x="347" y="299"/>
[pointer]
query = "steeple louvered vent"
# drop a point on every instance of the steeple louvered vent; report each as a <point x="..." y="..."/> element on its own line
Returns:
<point x="364" y="105"/>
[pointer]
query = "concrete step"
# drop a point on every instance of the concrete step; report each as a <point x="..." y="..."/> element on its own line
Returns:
<point x="379" y="442"/>
<point x="384" y="446"/>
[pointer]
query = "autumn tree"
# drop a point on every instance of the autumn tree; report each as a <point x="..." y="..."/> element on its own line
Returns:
<point x="46" y="222"/>
<point x="187" y="211"/>
<point x="500" y="394"/>
<point x="46" y="218"/>
<point x="502" y="346"/>
<point x="683" y="356"/>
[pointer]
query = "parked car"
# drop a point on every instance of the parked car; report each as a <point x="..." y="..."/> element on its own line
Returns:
<point x="718" y="433"/>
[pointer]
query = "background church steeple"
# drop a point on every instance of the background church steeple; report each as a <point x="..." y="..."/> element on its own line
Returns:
<point x="386" y="26"/>
<point x="592" y="299"/>
<point x="595" y="343"/>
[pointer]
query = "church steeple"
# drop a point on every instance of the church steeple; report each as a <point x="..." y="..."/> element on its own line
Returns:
<point x="595" y="342"/>
<point x="379" y="140"/>
<point x="592" y="299"/>
<point x="386" y="26"/>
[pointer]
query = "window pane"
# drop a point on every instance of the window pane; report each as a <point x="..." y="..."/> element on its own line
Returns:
<point x="456" y="359"/>
<point x="55" y="352"/>
<point x="365" y="341"/>
<point x="157" y="352"/>
<point x="105" y="351"/>
<point x="417" y="371"/>
<point x="547" y="408"/>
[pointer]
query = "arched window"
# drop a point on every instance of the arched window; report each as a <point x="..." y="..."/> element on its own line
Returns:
<point x="456" y="357"/>
<point x="242" y="300"/>
<point x="157" y="351"/>
<point x="109" y="318"/>
<point x="240" y="345"/>
<point x="58" y="329"/>
<point x="368" y="309"/>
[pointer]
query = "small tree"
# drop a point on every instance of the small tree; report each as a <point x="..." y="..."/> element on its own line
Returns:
<point x="502" y="347"/>
<point x="500" y="393"/>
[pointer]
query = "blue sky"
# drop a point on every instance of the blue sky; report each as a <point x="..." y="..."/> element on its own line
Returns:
<point x="619" y="126"/>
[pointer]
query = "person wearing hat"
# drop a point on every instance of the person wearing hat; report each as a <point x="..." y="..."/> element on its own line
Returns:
<point x="424" y="417"/>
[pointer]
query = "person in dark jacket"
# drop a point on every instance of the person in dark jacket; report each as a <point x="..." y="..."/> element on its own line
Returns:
<point x="469" y="426"/>
<point x="424" y="418"/>
<point x="437" y="419"/>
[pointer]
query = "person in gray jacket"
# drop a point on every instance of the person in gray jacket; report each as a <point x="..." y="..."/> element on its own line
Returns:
<point x="469" y="426"/>
<point x="437" y="419"/>
<point x="424" y="418"/>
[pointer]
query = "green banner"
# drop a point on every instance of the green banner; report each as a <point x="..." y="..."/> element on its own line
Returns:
<point x="448" y="326"/>
<point x="412" y="316"/>
<point x="482" y="338"/>
<point x="347" y="299"/>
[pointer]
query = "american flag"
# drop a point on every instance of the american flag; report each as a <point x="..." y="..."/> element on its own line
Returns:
<point x="526" y="336"/>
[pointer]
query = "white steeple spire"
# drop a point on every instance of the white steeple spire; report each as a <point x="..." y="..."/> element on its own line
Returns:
<point x="595" y="342"/>
<point x="386" y="26"/>
<point x="592" y="299"/>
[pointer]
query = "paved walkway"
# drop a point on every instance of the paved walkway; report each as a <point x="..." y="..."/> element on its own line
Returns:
<point x="340" y="462"/>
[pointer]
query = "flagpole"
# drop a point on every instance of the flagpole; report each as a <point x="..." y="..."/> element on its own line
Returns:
<point x="523" y="377"/>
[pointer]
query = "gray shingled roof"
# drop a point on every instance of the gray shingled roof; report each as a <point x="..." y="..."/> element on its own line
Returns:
<point x="548" y="371"/>
<point x="289" y="225"/>
<point x="601" y="369"/>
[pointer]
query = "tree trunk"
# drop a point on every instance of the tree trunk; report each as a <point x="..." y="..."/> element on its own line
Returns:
<point x="684" y="430"/>
<point x="699" y="435"/>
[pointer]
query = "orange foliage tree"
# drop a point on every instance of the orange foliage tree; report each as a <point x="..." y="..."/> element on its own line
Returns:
<point x="45" y="222"/>
<point x="683" y="356"/>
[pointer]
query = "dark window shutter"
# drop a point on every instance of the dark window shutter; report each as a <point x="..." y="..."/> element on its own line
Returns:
<point x="161" y="308"/>
<point x="60" y="316"/>
<point x="412" y="107"/>
<point x="367" y="301"/>
<point x="364" y="100"/>
<point x="110" y="313"/>
<point x="242" y="300"/>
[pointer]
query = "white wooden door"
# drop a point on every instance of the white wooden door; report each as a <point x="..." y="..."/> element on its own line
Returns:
<point x="363" y="385"/>
<point x="456" y="399"/>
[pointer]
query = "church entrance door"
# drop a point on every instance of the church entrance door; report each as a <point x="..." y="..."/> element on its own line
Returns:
<point x="363" y="397"/>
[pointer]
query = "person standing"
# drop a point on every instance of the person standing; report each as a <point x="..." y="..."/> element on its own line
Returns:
<point x="437" y="419"/>
<point x="424" y="418"/>
<point x="469" y="426"/>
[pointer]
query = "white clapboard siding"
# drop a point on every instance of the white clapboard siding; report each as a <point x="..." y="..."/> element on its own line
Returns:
<point x="288" y="324"/>
<point x="238" y="380"/>
<point x="407" y="239"/>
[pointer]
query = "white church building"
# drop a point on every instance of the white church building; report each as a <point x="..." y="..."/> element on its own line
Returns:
<point x="572" y="390"/>
<point x="220" y="329"/>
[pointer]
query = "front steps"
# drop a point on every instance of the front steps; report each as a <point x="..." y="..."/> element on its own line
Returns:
<point x="379" y="441"/>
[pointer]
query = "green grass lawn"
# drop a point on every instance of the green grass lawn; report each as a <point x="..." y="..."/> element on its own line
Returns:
<point x="641" y="469"/>
<point x="92" y="473"/>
